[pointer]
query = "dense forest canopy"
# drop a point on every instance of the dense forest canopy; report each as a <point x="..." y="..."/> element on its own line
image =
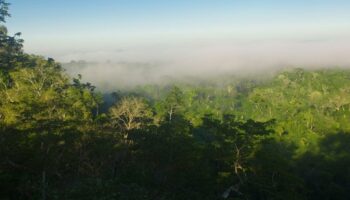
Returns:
<point x="282" y="137"/>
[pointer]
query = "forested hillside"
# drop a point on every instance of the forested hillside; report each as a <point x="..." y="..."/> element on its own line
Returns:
<point x="284" y="137"/>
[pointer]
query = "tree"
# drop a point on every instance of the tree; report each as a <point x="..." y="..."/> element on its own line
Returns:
<point x="130" y="113"/>
<point x="172" y="104"/>
<point x="4" y="7"/>
<point x="10" y="46"/>
<point x="44" y="93"/>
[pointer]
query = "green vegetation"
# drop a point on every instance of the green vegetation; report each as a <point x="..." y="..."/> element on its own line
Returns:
<point x="238" y="138"/>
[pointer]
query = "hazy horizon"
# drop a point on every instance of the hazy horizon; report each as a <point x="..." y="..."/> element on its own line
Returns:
<point x="184" y="38"/>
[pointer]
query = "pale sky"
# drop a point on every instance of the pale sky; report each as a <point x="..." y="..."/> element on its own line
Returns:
<point x="68" y="29"/>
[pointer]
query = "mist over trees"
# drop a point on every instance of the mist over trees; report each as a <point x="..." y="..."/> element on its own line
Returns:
<point x="281" y="137"/>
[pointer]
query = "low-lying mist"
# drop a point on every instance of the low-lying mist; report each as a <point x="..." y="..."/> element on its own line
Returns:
<point x="129" y="67"/>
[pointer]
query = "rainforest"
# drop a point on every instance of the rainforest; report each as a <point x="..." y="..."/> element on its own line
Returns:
<point x="280" y="135"/>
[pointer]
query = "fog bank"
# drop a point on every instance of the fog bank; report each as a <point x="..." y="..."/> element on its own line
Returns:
<point x="131" y="66"/>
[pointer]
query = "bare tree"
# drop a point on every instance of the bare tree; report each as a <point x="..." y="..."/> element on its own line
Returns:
<point x="130" y="113"/>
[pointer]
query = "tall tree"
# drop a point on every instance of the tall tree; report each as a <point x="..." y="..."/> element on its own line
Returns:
<point x="130" y="113"/>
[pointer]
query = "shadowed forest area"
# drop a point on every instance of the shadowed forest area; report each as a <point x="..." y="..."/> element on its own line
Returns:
<point x="281" y="137"/>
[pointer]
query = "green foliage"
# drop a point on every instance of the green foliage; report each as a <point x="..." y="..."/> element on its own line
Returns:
<point x="43" y="93"/>
<point x="10" y="46"/>
<point x="4" y="7"/>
